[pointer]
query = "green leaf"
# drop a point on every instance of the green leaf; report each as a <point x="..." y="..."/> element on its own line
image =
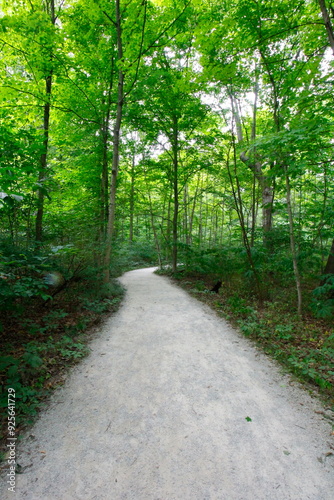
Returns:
<point x="32" y="359"/>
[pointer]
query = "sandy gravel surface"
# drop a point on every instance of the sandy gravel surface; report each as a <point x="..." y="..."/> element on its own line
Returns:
<point x="173" y="404"/>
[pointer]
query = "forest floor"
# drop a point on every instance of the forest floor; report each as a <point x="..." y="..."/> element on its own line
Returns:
<point x="303" y="346"/>
<point x="173" y="403"/>
<point x="41" y="341"/>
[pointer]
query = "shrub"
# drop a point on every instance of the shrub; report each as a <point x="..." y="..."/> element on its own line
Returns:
<point x="322" y="303"/>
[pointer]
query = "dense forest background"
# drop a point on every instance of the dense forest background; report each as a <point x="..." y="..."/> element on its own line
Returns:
<point x="191" y="134"/>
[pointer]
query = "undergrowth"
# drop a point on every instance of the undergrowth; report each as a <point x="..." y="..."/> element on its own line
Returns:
<point x="50" y="296"/>
<point x="41" y="338"/>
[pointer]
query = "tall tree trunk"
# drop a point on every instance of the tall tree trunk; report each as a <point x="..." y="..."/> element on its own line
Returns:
<point x="46" y="125"/>
<point x="191" y="221"/>
<point x="169" y="228"/>
<point x="254" y="211"/>
<point x="155" y="234"/>
<point x="328" y="23"/>
<point x="104" y="182"/>
<point x="255" y="199"/>
<point x="236" y="116"/>
<point x="256" y="167"/>
<point x="239" y="208"/>
<point x="116" y="143"/>
<point x="175" y="146"/>
<point x="132" y="198"/>
<point x="105" y="148"/>
<point x="267" y="192"/>
<point x="200" y="216"/>
<point x="185" y="215"/>
<point x="164" y="227"/>
<point x="277" y="122"/>
<point x="293" y="244"/>
<point x="329" y="268"/>
<point x="256" y="95"/>
<point x="207" y="228"/>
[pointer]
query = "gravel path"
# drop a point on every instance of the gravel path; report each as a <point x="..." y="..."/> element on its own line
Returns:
<point x="173" y="404"/>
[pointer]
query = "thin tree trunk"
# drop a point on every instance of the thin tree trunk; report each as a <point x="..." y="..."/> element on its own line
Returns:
<point x="164" y="229"/>
<point x="329" y="268"/>
<point x="46" y="125"/>
<point x="239" y="209"/>
<point x="256" y="93"/>
<point x="256" y="167"/>
<point x="105" y="147"/>
<point x="223" y="216"/>
<point x="193" y="210"/>
<point x="132" y="198"/>
<point x="155" y="234"/>
<point x="253" y="137"/>
<point x="169" y="228"/>
<point x="267" y="192"/>
<point x="175" y="194"/>
<point x="200" y="217"/>
<point x="185" y="215"/>
<point x="207" y="228"/>
<point x="236" y="116"/>
<point x="254" y="211"/>
<point x="116" y="143"/>
<point x="328" y="23"/>
<point x="293" y="244"/>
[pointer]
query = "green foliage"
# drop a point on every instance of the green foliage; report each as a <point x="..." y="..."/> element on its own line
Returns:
<point x="21" y="277"/>
<point x="288" y="343"/>
<point x="18" y="372"/>
<point x="314" y="365"/>
<point x="133" y="255"/>
<point x="239" y="307"/>
<point x="28" y="374"/>
<point x="284" y="332"/>
<point x="48" y="335"/>
<point x="99" y="307"/>
<point x="70" y="349"/>
<point x="323" y="298"/>
<point x="250" y="327"/>
<point x="191" y="74"/>
<point x="224" y="261"/>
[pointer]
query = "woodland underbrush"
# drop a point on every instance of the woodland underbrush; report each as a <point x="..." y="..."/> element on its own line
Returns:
<point x="303" y="345"/>
<point x="49" y="301"/>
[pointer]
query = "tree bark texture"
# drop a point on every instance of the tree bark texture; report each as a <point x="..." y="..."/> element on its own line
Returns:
<point x="175" y="147"/>
<point x="132" y="198"/>
<point x="328" y="23"/>
<point x="105" y="148"/>
<point x="293" y="244"/>
<point x="239" y="209"/>
<point x="266" y="189"/>
<point x="46" y="126"/>
<point x="116" y="143"/>
<point x="329" y="268"/>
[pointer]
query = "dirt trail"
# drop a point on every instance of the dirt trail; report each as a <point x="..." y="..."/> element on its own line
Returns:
<point x="173" y="404"/>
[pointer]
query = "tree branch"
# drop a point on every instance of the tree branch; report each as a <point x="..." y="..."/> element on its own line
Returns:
<point x="110" y="18"/>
